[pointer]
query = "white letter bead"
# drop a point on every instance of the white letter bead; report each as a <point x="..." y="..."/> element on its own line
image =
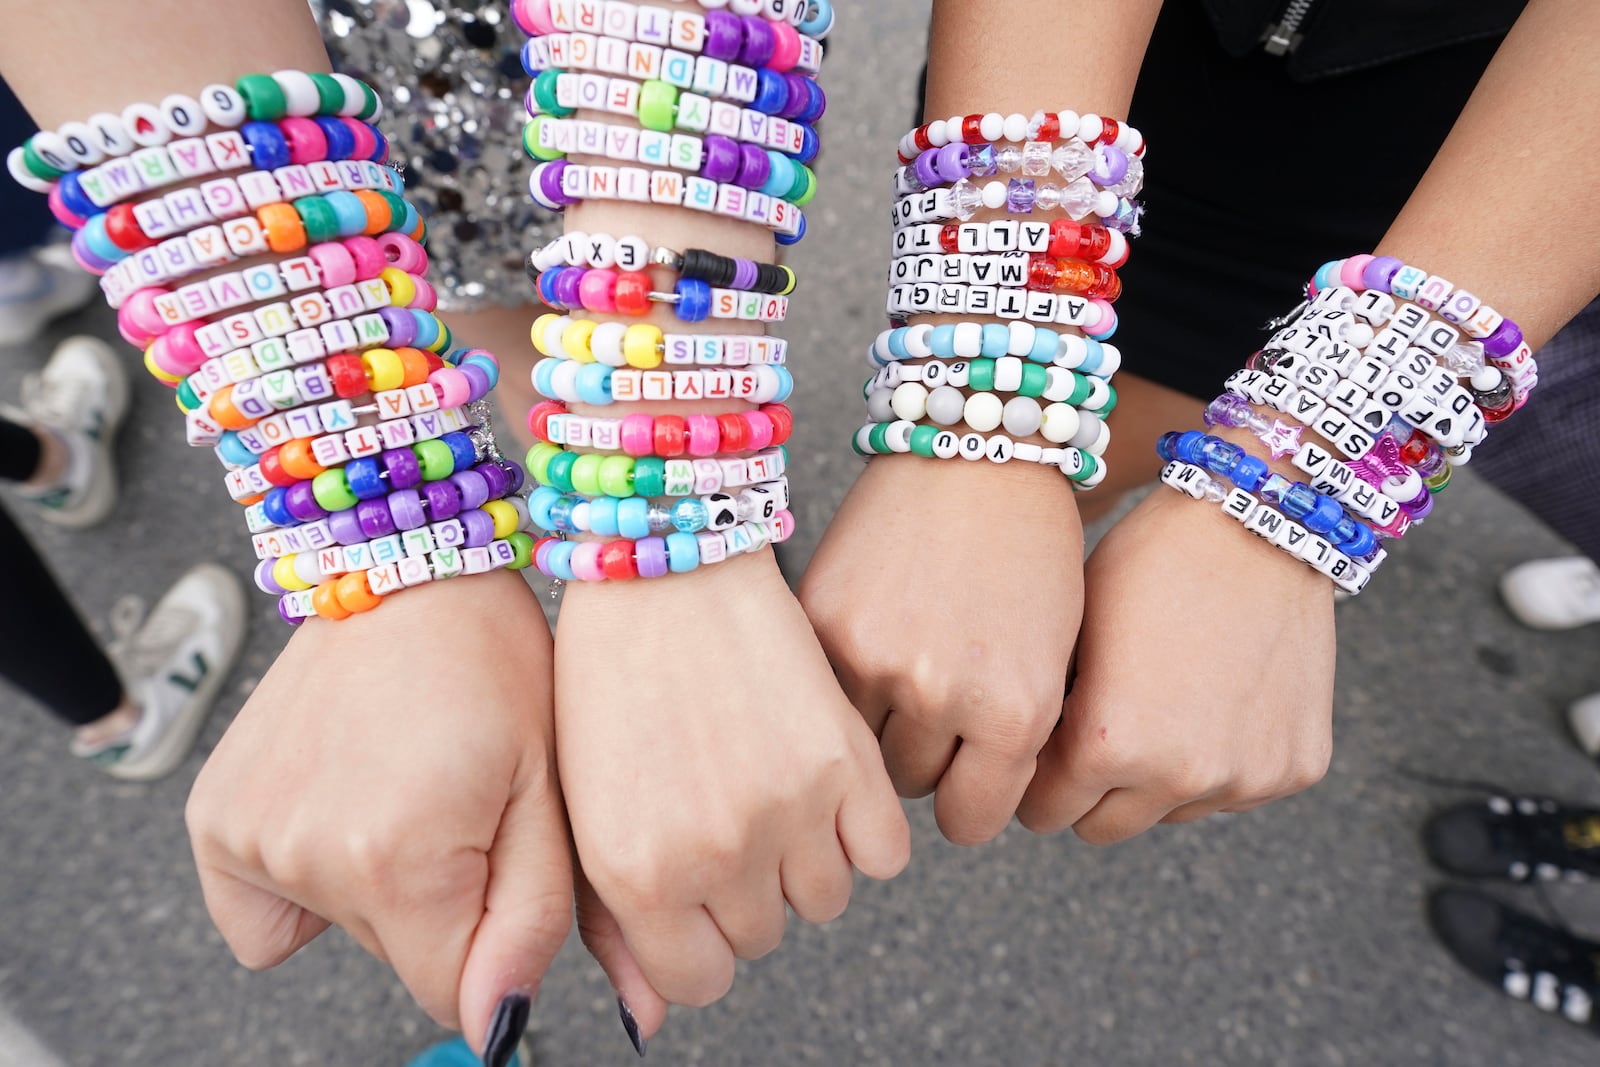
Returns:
<point x="1240" y="504"/>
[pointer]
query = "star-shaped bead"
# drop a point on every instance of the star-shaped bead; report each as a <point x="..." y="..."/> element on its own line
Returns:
<point x="1283" y="439"/>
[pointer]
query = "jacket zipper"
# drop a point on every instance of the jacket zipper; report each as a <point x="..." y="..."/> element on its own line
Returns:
<point x="1284" y="36"/>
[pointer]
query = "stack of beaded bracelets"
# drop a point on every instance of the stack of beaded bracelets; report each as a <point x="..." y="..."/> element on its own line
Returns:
<point x="727" y="103"/>
<point x="353" y="432"/>
<point x="1398" y="372"/>
<point x="1020" y="374"/>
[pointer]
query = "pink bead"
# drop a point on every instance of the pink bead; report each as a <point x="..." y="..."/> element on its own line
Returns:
<point x="638" y="435"/>
<point x="62" y="212"/>
<point x="451" y="387"/>
<point x="786" y="49"/>
<point x="760" y="430"/>
<point x="597" y="291"/>
<point x="307" y="142"/>
<point x="782" y="526"/>
<point x="184" y="353"/>
<point x="533" y="16"/>
<point x="705" y="438"/>
<point x="427" y="297"/>
<point x="138" y="316"/>
<point x="401" y="251"/>
<point x="1105" y="324"/>
<point x="368" y="255"/>
<point x="335" y="265"/>
<point x="1351" y="270"/>
<point x="585" y="562"/>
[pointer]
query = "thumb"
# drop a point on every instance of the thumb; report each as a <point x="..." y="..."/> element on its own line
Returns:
<point x="527" y="913"/>
<point x="643" y="1010"/>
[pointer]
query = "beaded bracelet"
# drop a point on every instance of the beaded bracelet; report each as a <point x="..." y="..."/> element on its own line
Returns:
<point x="379" y="371"/>
<point x="1105" y="165"/>
<point x="972" y="340"/>
<point x="1017" y="196"/>
<point x="1061" y="238"/>
<point x="1016" y="270"/>
<point x="409" y="502"/>
<point x="599" y="385"/>
<point x="1021" y="416"/>
<point x="1083" y="469"/>
<point x="1092" y="130"/>
<point x="645" y="347"/>
<point x="1095" y="317"/>
<point x="635" y="517"/>
<point x="279" y="533"/>
<point x="655" y="557"/>
<point x="650" y="476"/>
<point x="556" y="185"/>
<point x="1008" y="374"/>
<point x="664" y="436"/>
<point x="634" y="253"/>
<point x="757" y="42"/>
<point x="614" y="292"/>
<point x="292" y="570"/>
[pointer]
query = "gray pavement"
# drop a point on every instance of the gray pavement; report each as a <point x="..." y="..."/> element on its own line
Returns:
<point x="1288" y="936"/>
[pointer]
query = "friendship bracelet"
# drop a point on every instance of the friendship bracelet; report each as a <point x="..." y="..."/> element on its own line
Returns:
<point x="655" y="557"/>
<point x="636" y="518"/>
<point x="401" y="504"/>
<point x="613" y="292"/>
<point x="1016" y="196"/>
<point x="644" y="346"/>
<point x="1095" y="317"/>
<point x="754" y="41"/>
<point x="1091" y="129"/>
<point x="556" y="185"/>
<point x="1061" y="238"/>
<point x="650" y="476"/>
<point x="664" y="436"/>
<point x="1021" y="416"/>
<point x="598" y="385"/>
<point x="1083" y="469"/>
<point x="973" y="340"/>
<point x="1017" y="270"/>
<point x="295" y="522"/>
<point x="1105" y="165"/>
<point x="327" y="556"/>
<point x="1008" y="374"/>
<point x="634" y="253"/>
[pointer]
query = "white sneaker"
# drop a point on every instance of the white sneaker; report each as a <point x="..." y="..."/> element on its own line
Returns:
<point x="81" y="396"/>
<point x="1553" y="594"/>
<point x="1584" y="718"/>
<point x="174" y="664"/>
<point x="38" y="286"/>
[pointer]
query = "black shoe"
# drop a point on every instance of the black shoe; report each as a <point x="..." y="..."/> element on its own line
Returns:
<point x="1519" y="838"/>
<point x="1526" y="958"/>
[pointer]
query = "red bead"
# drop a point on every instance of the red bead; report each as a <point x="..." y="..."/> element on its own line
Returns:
<point x="124" y="231"/>
<point x="972" y="129"/>
<point x="1107" y="286"/>
<point x="349" y="377"/>
<point x="1415" y="450"/>
<point x="950" y="238"/>
<point x="1110" y="130"/>
<point x="735" y="433"/>
<point x="633" y="292"/>
<point x="1041" y="274"/>
<point x="1049" y="129"/>
<point x="539" y="418"/>
<point x="1094" y="242"/>
<point x="920" y="138"/>
<point x="782" y="422"/>
<point x="273" y="471"/>
<point x="1065" y="236"/>
<point x="616" y="561"/>
<point x="671" y="432"/>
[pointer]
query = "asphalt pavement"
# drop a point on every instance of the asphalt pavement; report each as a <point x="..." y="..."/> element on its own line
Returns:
<point x="1288" y="936"/>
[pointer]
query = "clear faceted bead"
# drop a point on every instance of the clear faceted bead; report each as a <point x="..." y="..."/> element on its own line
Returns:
<point x="1079" y="198"/>
<point x="965" y="199"/>
<point x="1465" y="359"/>
<point x="1036" y="159"/>
<point x="1215" y="492"/>
<point x="1133" y="181"/>
<point x="1047" y="197"/>
<point x="660" y="519"/>
<point x="1072" y="160"/>
<point x="1009" y="159"/>
<point x="1274" y="487"/>
<point x="1257" y="423"/>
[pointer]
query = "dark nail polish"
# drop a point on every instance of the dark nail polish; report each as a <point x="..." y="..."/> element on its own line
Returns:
<point x="631" y="1025"/>
<point x="505" y="1029"/>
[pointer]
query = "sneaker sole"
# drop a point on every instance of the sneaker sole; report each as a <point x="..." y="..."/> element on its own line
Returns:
<point x="101" y="498"/>
<point x="174" y="748"/>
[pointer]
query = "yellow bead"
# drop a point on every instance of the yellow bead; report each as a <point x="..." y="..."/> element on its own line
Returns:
<point x="384" y="368"/>
<point x="575" y="340"/>
<point x="504" y="516"/>
<point x="541" y="324"/>
<point x="641" y="346"/>
<point x="402" y="290"/>
<point x="283" y="573"/>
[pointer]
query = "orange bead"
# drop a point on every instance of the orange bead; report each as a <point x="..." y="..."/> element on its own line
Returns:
<point x="226" y="415"/>
<point x="297" y="458"/>
<point x="353" y="594"/>
<point x="415" y="363"/>
<point x="285" y="231"/>
<point x="325" y="599"/>
<point x="378" y="214"/>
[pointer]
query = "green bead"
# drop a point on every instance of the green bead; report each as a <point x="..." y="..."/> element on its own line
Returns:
<point x="370" y="108"/>
<point x="586" y="474"/>
<point x="436" y="460"/>
<point x="658" y="105"/>
<point x="530" y="141"/>
<point x="1080" y="389"/>
<point x="544" y="94"/>
<point x="878" y="439"/>
<point x="807" y="186"/>
<point x="1090" y="465"/>
<point x="538" y="460"/>
<point x="330" y="94"/>
<point x="1034" y="380"/>
<point x="397" y="208"/>
<point x="187" y="400"/>
<point x="855" y="445"/>
<point x="446" y="338"/>
<point x="783" y="450"/>
<point x="332" y="490"/>
<point x="1111" y="402"/>
<point x="560" y="471"/>
<point x="922" y="440"/>
<point x="522" y="545"/>
<point x="616" y="476"/>
<point x="321" y="223"/>
<point x="36" y="165"/>
<point x="263" y="99"/>
<point x="650" y="476"/>
<point x="787" y="273"/>
<point x="981" y="375"/>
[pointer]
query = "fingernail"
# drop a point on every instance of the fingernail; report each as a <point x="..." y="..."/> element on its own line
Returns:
<point x="631" y="1025"/>
<point x="505" y="1029"/>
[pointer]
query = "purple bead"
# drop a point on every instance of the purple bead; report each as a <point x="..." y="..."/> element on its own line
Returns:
<point x="479" y="379"/>
<point x="346" y="527"/>
<point x="283" y="613"/>
<point x="721" y="160"/>
<point x="799" y="96"/>
<point x="404" y="470"/>
<point x="724" y="36"/>
<point x="374" y="517"/>
<point x="1418" y="509"/>
<point x="981" y="161"/>
<point x="1379" y="273"/>
<point x="301" y="502"/>
<point x="473" y="487"/>
<point x="264" y="580"/>
<point x="1019" y="196"/>
<point x="566" y="288"/>
<point x="86" y="256"/>
<point x="927" y="168"/>
<point x="759" y="42"/>
<point x="650" y="556"/>
<point x="541" y="556"/>
<point x="498" y="477"/>
<point x="515" y="472"/>
<point x="744" y="273"/>
<point x="405" y="507"/>
<point x="1505" y="340"/>
<point x="550" y="182"/>
<point x="477" y="526"/>
<point x="951" y="161"/>
<point x="401" y="323"/>
<point x="442" y="499"/>
<point x="1110" y="165"/>
<point x="754" y="166"/>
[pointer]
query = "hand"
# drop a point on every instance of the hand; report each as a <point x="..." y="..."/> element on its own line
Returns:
<point x="394" y="774"/>
<point x="948" y="597"/>
<point x="712" y="771"/>
<point x="1204" y="678"/>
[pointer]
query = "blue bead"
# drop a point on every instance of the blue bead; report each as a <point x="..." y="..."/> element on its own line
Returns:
<point x="694" y="304"/>
<point x="380" y="150"/>
<point x="366" y="478"/>
<point x="413" y="220"/>
<point x="274" y="507"/>
<point x="1167" y="446"/>
<point x="1188" y="447"/>
<point x="341" y="142"/>
<point x="1222" y="456"/>
<point x="633" y="518"/>
<point x="1327" y="275"/>
<point x="1298" y="501"/>
<point x="427" y="329"/>
<point x="1325" y="516"/>
<point x="785" y="384"/>
<point x="488" y="366"/>
<point x="268" y="148"/>
<point x="529" y="67"/>
<point x="560" y="561"/>
<point x="1342" y="531"/>
<point x="350" y="211"/>
<point x="1093" y="358"/>
<point x="942" y="340"/>
<point x="561" y="514"/>
<point x="690" y="515"/>
<point x="94" y="234"/>
<point x="594" y="384"/>
<point x="1250" y="473"/>
<point x="603" y="516"/>
<point x="233" y="450"/>
<point x="793" y="238"/>
<point x="897" y="343"/>
<point x="683" y="553"/>
<point x="996" y="341"/>
<point x="539" y="503"/>
<point x="1046" y="343"/>
<point x="544" y="376"/>
<point x="810" y="145"/>
<point x="77" y="201"/>
<point x="462" y="448"/>
<point x="780" y="177"/>
<point x="772" y="93"/>
<point x="820" y="21"/>
<point x="1362" y="543"/>
<point x="815" y="105"/>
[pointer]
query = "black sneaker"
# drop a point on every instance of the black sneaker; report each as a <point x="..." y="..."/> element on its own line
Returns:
<point x="1520" y="838"/>
<point x="1526" y="958"/>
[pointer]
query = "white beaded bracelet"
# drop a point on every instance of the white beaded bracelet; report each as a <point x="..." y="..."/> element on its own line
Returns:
<point x="1081" y="467"/>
